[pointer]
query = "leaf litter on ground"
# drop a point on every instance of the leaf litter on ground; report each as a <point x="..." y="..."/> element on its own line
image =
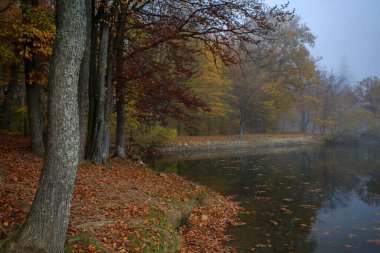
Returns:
<point x="120" y="207"/>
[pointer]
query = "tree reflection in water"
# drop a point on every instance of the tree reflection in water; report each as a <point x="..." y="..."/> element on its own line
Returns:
<point x="295" y="198"/>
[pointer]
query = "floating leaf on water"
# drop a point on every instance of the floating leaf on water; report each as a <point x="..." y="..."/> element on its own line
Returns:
<point x="285" y="210"/>
<point x="315" y="190"/>
<point x="374" y="241"/>
<point x="307" y="206"/>
<point x="274" y="222"/>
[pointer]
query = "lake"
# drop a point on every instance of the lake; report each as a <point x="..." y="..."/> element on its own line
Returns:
<point x="299" y="199"/>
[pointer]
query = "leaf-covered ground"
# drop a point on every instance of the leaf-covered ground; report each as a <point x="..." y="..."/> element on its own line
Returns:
<point x="120" y="207"/>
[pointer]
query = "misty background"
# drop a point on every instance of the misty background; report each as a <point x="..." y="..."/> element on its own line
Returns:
<point x="348" y="33"/>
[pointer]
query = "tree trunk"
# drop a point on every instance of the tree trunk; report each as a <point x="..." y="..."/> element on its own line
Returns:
<point x="92" y="84"/>
<point x="120" y="96"/>
<point x="304" y="121"/>
<point x="9" y="97"/>
<point x="83" y="86"/>
<point x="241" y="127"/>
<point x="46" y="225"/>
<point x="33" y="95"/>
<point x="120" y="128"/>
<point x="98" y="133"/>
<point x="109" y="101"/>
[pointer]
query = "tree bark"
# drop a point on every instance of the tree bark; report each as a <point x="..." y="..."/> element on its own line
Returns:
<point x="92" y="85"/>
<point x="9" y="97"/>
<point x="98" y="132"/>
<point x="120" y="96"/>
<point x="46" y="225"/>
<point x="83" y="86"/>
<point x="120" y="128"/>
<point x="109" y="102"/>
<point x="33" y="95"/>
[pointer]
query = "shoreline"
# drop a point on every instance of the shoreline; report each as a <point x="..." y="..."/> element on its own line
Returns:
<point x="213" y="143"/>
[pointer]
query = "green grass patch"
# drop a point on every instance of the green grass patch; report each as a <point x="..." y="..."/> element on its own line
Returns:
<point x="82" y="242"/>
<point x="198" y="197"/>
<point x="156" y="234"/>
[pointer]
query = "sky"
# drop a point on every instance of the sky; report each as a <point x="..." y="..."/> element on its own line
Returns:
<point x="346" y="30"/>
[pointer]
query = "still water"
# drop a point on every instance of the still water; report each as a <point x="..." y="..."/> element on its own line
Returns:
<point x="308" y="199"/>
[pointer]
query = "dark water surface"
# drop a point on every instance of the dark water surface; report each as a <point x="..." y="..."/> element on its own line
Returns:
<point x="309" y="199"/>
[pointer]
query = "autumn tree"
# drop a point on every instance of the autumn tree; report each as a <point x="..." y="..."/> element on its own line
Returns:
<point x="332" y="85"/>
<point x="267" y="86"/>
<point x="218" y="25"/>
<point x="31" y="34"/>
<point x="367" y="92"/>
<point x="9" y="63"/>
<point x="213" y="86"/>
<point x="108" y="22"/>
<point x="46" y="225"/>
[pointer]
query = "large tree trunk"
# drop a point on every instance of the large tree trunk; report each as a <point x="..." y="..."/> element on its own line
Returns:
<point x="9" y="97"/>
<point x="83" y="86"/>
<point x="120" y="96"/>
<point x="46" y="225"/>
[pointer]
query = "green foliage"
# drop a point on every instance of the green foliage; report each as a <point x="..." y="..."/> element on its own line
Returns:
<point x="199" y="197"/>
<point x="85" y="240"/>
<point x="157" y="235"/>
<point x="155" y="137"/>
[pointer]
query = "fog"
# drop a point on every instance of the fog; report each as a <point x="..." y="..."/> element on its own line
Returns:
<point x="348" y="33"/>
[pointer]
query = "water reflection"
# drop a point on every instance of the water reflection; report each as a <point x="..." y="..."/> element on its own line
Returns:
<point x="300" y="200"/>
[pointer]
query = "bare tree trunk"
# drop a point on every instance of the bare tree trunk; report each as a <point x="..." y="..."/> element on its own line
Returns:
<point x="46" y="225"/>
<point x="92" y="85"/>
<point x="9" y="97"/>
<point x="33" y="95"/>
<point x="304" y="121"/>
<point x="120" y="96"/>
<point x="98" y="133"/>
<point x="120" y="129"/>
<point x="83" y="86"/>
<point x="241" y="127"/>
<point x="109" y="102"/>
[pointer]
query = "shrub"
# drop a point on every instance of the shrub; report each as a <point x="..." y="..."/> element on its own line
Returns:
<point x="155" y="137"/>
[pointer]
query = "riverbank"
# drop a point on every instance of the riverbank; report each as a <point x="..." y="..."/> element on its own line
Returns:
<point x="120" y="207"/>
<point x="232" y="142"/>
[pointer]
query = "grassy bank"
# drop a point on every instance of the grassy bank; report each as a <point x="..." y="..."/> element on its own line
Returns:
<point x="225" y="142"/>
<point x="120" y="207"/>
